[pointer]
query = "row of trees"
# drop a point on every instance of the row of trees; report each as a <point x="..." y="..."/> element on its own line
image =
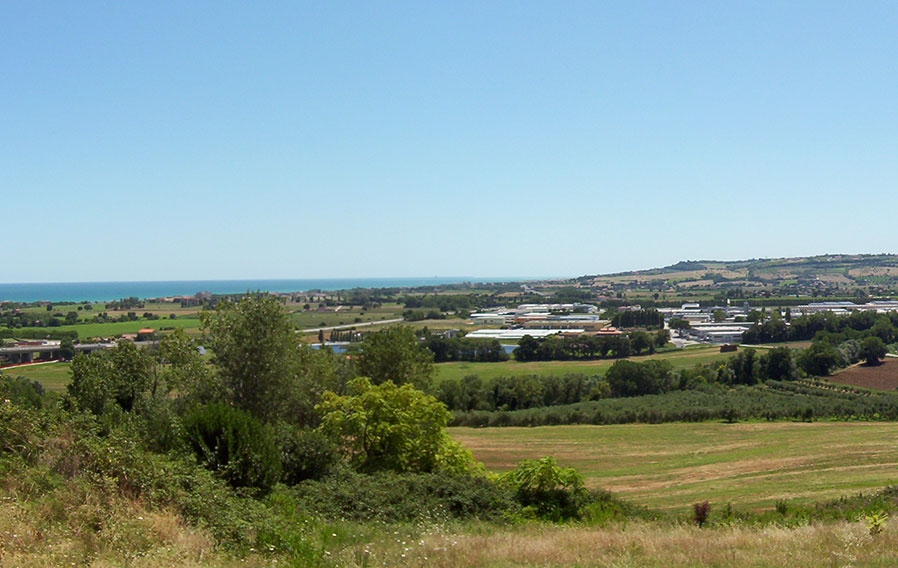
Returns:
<point x="465" y="349"/>
<point x="562" y="348"/>
<point x="518" y="392"/>
<point x="638" y="318"/>
<point x="829" y="327"/>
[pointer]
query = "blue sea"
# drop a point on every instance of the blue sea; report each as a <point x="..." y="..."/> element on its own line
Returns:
<point x="106" y="291"/>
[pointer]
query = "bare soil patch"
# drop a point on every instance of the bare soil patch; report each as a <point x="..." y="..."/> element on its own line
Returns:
<point x="878" y="377"/>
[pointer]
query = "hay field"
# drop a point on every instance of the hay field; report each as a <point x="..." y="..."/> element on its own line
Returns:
<point x="670" y="466"/>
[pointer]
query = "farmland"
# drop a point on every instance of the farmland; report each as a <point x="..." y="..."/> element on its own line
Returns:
<point x="671" y="466"/>
<point x="877" y="377"/>
<point x="680" y="359"/>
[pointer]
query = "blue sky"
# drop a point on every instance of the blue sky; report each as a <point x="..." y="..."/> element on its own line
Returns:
<point x="158" y="141"/>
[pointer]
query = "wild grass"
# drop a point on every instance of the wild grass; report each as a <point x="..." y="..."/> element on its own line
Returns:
<point x="639" y="545"/>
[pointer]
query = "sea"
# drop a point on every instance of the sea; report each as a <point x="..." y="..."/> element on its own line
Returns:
<point x="107" y="291"/>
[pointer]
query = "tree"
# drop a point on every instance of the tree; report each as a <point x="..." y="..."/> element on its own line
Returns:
<point x="390" y="427"/>
<point x="67" y="349"/>
<point x="778" y="364"/>
<point x="627" y="378"/>
<point x="819" y="359"/>
<point x="872" y="350"/>
<point x="527" y="349"/>
<point x="121" y="376"/>
<point x="662" y="337"/>
<point x="640" y="340"/>
<point x="719" y="316"/>
<point x="255" y="350"/>
<point x="396" y="355"/>
<point x="184" y="370"/>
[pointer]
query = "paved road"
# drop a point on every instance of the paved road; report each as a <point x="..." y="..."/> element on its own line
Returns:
<point x="349" y="325"/>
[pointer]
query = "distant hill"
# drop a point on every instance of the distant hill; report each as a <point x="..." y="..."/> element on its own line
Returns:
<point x="790" y="275"/>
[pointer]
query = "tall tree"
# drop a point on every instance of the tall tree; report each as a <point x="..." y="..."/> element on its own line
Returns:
<point x="396" y="355"/>
<point x="255" y="350"/>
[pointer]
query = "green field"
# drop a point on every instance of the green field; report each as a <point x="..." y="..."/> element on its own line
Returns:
<point x="671" y="466"/>
<point x="680" y="359"/>
<point x="54" y="376"/>
<point x="87" y="330"/>
<point x="313" y="318"/>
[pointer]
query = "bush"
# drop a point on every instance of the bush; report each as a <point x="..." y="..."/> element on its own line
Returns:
<point x="390" y="497"/>
<point x="305" y="454"/>
<point x="701" y="512"/>
<point x="234" y="445"/>
<point x="552" y="492"/>
<point x="21" y="391"/>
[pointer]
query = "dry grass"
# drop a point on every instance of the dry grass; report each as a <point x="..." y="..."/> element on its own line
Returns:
<point x="88" y="530"/>
<point x="645" y="545"/>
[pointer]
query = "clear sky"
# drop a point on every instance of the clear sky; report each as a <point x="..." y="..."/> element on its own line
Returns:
<point x="191" y="140"/>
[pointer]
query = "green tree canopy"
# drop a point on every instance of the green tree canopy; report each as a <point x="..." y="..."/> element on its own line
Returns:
<point x="872" y="350"/>
<point x="255" y="350"/>
<point x="396" y="355"/>
<point x="121" y="376"/>
<point x="390" y="427"/>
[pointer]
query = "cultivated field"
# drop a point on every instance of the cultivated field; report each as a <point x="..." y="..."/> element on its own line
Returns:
<point x="680" y="359"/>
<point x="306" y="319"/>
<point x="878" y="377"/>
<point x="671" y="466"/>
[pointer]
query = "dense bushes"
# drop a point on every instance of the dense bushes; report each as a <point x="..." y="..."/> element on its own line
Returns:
<point x="21" y="391"/>
<point x="390" y="497"/>
<point x="305" y="454"/>
<point x="389" y="427"/>
<point x="234" y="445"/>
<point x="546" y="489"/>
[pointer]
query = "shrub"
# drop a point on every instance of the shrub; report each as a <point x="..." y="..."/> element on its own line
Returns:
<point x="305" y="454"/>
<point x="21" y="391"/>
<point x="234" y="445"/>
<point x="390" y="497"/>
<point x="552" y="492"/>
<point x="389" y="427"/>
<point x="701" y="512"/>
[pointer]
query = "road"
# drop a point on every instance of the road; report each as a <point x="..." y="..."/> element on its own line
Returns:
<point x="348" y="325"/>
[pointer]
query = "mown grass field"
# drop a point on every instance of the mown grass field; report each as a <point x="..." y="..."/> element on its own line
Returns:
<point x="87" y="330"/>
<point x="671" y="466"/>
<point x="54" y="376"/>
<point x="680" y="359"/>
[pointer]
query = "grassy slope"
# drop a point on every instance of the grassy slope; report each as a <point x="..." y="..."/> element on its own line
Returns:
<point x="679" y="359"/>
<point x="54" y="376"/>
<point x="674" y="465"/>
